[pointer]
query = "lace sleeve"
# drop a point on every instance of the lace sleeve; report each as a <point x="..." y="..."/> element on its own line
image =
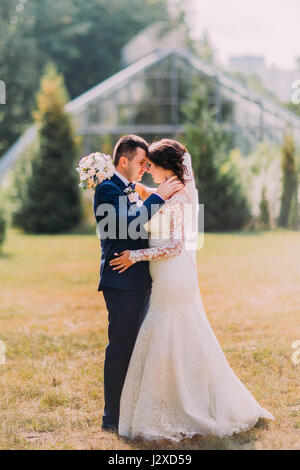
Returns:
<point x="174" y="246"/>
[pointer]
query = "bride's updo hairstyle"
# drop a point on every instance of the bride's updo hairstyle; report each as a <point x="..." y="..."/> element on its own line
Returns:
<point x="168" y="154"/>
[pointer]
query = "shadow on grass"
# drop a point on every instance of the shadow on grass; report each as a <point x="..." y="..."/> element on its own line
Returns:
<point x="84" y="230"/>
<point x="252" y="233"/>
<point x="91" y="230"/>
<point x="239" y="233"/>
<point x="6" y="255"/>
<point x="239" y="441"/>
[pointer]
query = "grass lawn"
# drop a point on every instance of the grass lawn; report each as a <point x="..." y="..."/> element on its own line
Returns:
<point x="54" y="322"/>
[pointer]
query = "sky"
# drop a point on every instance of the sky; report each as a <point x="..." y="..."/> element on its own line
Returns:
<point x="251" y="27"/>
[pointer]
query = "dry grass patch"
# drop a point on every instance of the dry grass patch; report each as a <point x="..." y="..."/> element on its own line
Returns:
<point x="54" y="322"/>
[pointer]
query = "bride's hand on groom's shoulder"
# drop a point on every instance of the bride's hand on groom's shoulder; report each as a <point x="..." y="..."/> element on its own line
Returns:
<point x="121" y="262"/>
<point x="169" y="187"/>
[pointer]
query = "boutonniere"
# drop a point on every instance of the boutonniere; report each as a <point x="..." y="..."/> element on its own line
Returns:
<point x="132" y="195"/>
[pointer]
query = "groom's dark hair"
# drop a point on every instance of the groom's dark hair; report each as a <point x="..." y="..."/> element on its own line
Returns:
<point x="126" y="147"/>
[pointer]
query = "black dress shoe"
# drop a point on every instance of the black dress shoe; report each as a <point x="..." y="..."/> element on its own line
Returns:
<point x="110" y="427"/>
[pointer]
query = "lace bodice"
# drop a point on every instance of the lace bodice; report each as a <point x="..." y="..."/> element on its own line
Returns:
<point x="171" y="220"/>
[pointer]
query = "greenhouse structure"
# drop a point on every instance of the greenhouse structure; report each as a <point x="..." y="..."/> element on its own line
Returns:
<point x="146" y="98"/>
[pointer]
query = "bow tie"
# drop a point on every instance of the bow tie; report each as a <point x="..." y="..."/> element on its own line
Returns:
<point x="131" y="185"/>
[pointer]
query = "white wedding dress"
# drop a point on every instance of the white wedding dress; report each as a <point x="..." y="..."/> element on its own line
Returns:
<point x="179" y="382"/>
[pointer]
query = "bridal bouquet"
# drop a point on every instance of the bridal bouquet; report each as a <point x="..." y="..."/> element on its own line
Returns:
<point x="95" y="168"/>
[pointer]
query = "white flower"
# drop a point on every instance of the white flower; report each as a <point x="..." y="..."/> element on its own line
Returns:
<point x="91" y="173"/>
<point x="95" y="168"/>
<point x="133" y="196"/>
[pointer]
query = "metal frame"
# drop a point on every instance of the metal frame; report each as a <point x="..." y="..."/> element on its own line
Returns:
<point x="268" y="120"/>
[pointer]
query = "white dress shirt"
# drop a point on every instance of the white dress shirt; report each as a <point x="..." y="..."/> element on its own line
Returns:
<point x="122" y="178"/>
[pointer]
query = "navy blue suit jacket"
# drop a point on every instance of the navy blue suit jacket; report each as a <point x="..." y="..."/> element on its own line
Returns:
<point x="137" y="277"/>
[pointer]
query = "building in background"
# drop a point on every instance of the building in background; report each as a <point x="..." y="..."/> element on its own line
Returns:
<point x="274" y="79"/>
<point x="147" y="95"/>
<point x="247" y="64"/>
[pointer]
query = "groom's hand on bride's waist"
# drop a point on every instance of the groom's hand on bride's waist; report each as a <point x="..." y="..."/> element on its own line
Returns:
<point x="121" y="262"/>
<point x="169" y="187"/>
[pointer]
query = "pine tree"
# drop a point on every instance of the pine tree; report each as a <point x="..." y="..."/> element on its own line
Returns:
<point x="293" y="220"/>
<point x="52" y="201"/>
<point x="2" y="228"/>
<point x="289" y="212"/>
<point x="264" y="215"/>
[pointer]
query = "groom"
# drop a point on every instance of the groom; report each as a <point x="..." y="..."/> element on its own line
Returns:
<point x="126" y="295"/>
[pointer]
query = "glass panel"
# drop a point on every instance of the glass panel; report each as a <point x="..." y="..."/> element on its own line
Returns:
<point x="124" y="114"/>
<point x="122" y="95"/>
<point x="184" y="70"/>
<point x="164" y="86"/>
<point x="152" y="114"/>
<point x="161" y="69"/>
<point x="95" y="143"/>
<point x="79" y="120"/>
<point x="142" y="90"/>
<point x="108" y="113"/>
<point x="181" y="115"/>
<point x="184" y="88"/>
<point x="93" y="112"/>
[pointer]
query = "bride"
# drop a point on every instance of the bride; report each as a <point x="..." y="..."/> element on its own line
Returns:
<point x="178" y="382"/>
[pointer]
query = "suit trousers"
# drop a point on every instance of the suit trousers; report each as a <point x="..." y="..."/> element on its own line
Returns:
<point x="126" y="312"/>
